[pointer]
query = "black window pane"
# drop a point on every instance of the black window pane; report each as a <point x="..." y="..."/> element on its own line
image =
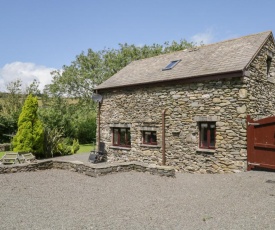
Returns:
<point x="147" y="137"/>
<point x="154" y="137"/>
<point x="204" y="134"/>
<point x="128" y="137"/>
<point x="212" y="135"/>
<point x="122" y="136"/>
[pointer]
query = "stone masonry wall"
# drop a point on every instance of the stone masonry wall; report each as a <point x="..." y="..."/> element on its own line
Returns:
<point x="93" y="170"/>
<point x="261" y="88"/>
<point x="220" y="101"/>
<point x="227" y="102"/>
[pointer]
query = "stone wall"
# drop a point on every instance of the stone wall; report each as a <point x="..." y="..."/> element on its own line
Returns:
<point x="261" y="87"/>
<point x="227" y="102"/>
<point x="88" y="169"/>
<point x="5" y="147"/>
<point x="185" y="104"/>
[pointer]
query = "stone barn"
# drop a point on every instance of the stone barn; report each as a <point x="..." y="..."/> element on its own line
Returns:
<point x="188" y="109"/>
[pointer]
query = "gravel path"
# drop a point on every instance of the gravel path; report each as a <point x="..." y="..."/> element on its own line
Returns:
<point x="56" y="199"/>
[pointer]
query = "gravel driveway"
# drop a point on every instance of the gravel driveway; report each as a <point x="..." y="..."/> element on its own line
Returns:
<point x="56" y="199"/>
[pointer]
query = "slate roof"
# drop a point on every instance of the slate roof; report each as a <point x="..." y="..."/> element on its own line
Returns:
<point x="222" y="57"/>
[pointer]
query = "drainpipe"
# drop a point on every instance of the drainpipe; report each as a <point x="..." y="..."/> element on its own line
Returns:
<point x="98" y="126"/>
<point x="98" y="131"/>
<point x="163" y="137"/>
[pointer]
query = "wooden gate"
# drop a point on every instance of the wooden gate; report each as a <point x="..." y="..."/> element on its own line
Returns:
<point x="261" y="143"/>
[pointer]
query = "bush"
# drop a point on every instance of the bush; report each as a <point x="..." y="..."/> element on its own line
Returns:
<point x="86" y="132"/>
<point x="75" y="147"/>
<point x="63" y="148"/>
<point x="30" y="134"/>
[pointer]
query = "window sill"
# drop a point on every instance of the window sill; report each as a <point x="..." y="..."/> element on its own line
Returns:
<point x="120" y="147"/>
<point x="206" y="150"/>
<point x="150" y="146"/>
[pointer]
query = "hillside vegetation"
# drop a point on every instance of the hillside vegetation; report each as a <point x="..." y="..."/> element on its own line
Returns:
<point x="65" y="107"/>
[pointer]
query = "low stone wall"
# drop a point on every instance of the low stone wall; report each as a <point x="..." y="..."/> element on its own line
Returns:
<point x="5" y="147"/>
<point x="27" y="167"/>
<point x="88" y="169"/>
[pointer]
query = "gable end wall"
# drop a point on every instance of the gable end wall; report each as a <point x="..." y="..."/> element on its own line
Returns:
<point x="261" y="88"/>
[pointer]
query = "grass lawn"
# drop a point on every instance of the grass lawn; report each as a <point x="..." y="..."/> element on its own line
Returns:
<point x="2" y="154"/>
<point x="85" y="148"/>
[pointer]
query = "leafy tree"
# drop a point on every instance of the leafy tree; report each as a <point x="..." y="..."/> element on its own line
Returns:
<point x="11" y="103"/>
<point x="73" y="120"/>
<point x="67" y="104"/>
<point x="33" y="88"/>
<point x="88" y="70"/>
<point x="30" y="135"/>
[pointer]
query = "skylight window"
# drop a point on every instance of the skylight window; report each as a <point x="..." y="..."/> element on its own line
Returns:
<point x="171" y="65"/>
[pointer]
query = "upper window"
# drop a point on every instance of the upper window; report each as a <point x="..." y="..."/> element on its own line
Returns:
<point x="149" y="137"/>
<point x="171" y="65"/>
<point x="122" y="137"/>
<point x="268" y="64"/>
<point x="207" y="135"/>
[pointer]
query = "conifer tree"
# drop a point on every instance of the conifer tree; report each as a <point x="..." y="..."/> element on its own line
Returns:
<point x="30" y="134"/>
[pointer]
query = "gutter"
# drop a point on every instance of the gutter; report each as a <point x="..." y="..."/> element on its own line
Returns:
<point x="190" y="79"/>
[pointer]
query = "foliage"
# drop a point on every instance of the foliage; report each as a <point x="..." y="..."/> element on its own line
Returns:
<point x="30" y="134"/>
<point x="2" y="154"/>
<point x="67" y="146"/>
<point x="33" y="88"/>
<point x="10" y="107"/>
<point x="52" y="138"/>
<point x="67" y="111"/>
<point x="75" y="146"/>
<point x="11" y="103"/>
<point x="77" y="81"/>
<point x="64" y="148"/>
<point x="57" y="145"/>
<point x="86" y="128"/>
<point x="88" y="70"/>
<point x="77" y="121"/>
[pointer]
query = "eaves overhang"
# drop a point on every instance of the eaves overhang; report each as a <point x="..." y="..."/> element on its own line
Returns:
<point x="206" y="77"/>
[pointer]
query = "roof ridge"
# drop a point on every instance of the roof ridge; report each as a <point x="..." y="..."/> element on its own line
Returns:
<point x="231" y="55"/>
<point x="238" y="38"/>
<point x="202" y="46"/>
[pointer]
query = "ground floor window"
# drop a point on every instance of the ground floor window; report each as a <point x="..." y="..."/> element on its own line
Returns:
<point x="149" y="137"/>
<point x="122" y="137"/>
<point x="207" y="135"/>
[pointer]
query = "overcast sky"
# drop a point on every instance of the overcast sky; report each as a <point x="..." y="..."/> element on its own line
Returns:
<point x="38" y="36"/>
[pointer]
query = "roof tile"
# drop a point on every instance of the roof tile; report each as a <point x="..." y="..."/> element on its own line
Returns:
<point x="227" y="56"/>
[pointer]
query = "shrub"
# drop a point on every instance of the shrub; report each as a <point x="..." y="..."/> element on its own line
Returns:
<point x="30" y="134"/>
<point x="75" y="147"/>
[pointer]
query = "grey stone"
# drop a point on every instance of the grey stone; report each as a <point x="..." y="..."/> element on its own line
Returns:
<point x="241" y="109"/>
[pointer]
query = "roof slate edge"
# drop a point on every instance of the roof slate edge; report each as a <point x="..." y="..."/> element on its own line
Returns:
<point x="256" y="53"/>
<point x="204" y="46"/>
<point x="269" y="33"/>
<point x="223" y="75"/>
